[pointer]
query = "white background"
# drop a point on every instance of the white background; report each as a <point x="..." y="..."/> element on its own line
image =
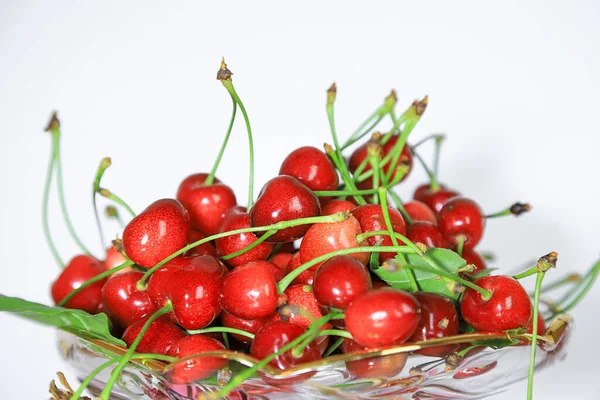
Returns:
<point x="515" y="86"/>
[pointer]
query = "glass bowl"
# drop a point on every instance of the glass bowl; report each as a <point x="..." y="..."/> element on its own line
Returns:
<point x="391" y="373"/>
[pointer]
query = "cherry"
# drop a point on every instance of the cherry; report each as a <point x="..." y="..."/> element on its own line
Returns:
<point x="158" y="339"/>
<point x="250" y="291"/>
<point x="439" y="318"/>
<point x="474" y="258"/>
<point x="312" y="167"/>
<point x="373" y="367"/>
<point x="508" y="308"/>
<point x="427" y="234"/>
<point x="420" y="211"/>
<point x="123" y="302"/>
<point x="434" y="198"/>
<point x="284" y="198"/>
<point x="193" y="288"/>
<point x="80" y="269"/>
<point x="336" y="205"/>
<point x="251" y="326"/>
<point x="205" y="249"/>
<point x="197" y="368"/>
<point x="275" y="335"/>
<point x="302" y="297"/>
<point x="370" y="218"/>
<point x="233" y="243"/>
<point x="383" y="317"/>
<point x="339" y="281"/>
<point x="321" y="239"/>
<point x="281" y="260"/>
<point x="113" y="259"/>
<point x="306" y="277"/>
<point x="461" y="219"/>
<point x="156" y="233"/>
<point x="205" y="203"/>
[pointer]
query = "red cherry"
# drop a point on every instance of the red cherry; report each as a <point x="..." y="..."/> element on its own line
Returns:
<point x="113" y="259"/>
<point x="462" y="219"/>
<point x="361" y="153"/>
<point x="205" y="249"/>
<point x="303" y="297"/>
<point x="80" y="269"/>
<point x="378" y="367"/>
<point x="305" y="277"/>
<point x="161" y="335"/>
<point x="199" y="367"/>
<point x="337" y="205"/>
<point x="383" y="317"/>
<point x="250" y="291"/>
<point x="205" y="203"/>
<point x="312" y="167"/>
<point x="281" y="260"/>
<point x="428" y="234"/>
<point x="123" y="302"/>
<point x="339" y="281"/>
<point x="251" y="326"/>
<point x="370" y="218"/>
<point x="284" y="198"/>
<point x="193" y="288"/>
<point x="231" y="244"/>
<point x="420" y="211"/>
<point x="474" y="258"/>
<point x="156" y="233"/>
<point x="321" y="239"/>
<point x="275" y="335"/>
<point x="508" y="308"/>
<point x="435" y="199"/>
<point x="439" y="319"/>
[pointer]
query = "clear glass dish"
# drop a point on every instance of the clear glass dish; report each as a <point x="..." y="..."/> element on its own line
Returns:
<point x="482" y="372"/>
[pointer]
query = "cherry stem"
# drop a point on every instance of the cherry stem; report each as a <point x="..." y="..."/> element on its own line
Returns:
<point x="315" y="327"/>
<point x="96" y="278"/>
<point x="336" y="193"/>
<point x="337" y="217"/>
<point x="287" y="280"/>
<point x="374" y="160"/>
<point x="460" y="244"/>
<point x="388" y="223"/>
<point x="222" y="329"/>
<point x="211" y="177"/>
<point x="113" y="197"/>
<point x="404" y="239"/>
<point x="436" y="155"/>
<point x="341" y="166"/>
<point x="105" y="395"/>
<point x="250" y="246"/>
<point x="386" y="108"/>
<point x="436" y="137"/>
<point x="45" y="207"/>
<point x="516" y="210"/>
<point x="534" y="334"/>
<point x="433" y="183"/>
<point x="336" y="332"/>
<point x="104" y="164"/>
<point x="400" y="206"/>
<point x="61" y="193"/>
<point x="589" y="280"/>
<point x="228" y="84"/>
<point x="333" y="347"/>
<point x="85" y="383"/>
<point x="570" y="278"/>
<point x="112" y="212"/>
<point x="543" y="264"/>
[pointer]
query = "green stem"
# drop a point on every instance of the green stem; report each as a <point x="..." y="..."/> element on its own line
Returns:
<point x="45" y="207"/>
<point x="90" y="378"/>
<point x="96" y="278"/>
<point x="287" y="280"/>
<point x="250" y="246"/>
<point x="536" y="302"/>
<point x="336" y="193"/>
<point x="105" y="395"/>
<point x="433" y="183"/>
<point x="392" y="234"/>
<point x="590" y="278"/>
<point x="337" y="217"/>
<point x="113" y="197"/>
<point x="151" y="356"/>
<point x="336" y="332"/>
<point x="339" y="164"/>
<point x="460" y="244"/>
<point x="229" y="86"/>
<point x="531" y="271"/>
<point x="61" y="193"/>
<point x="351" y="141"/>
<point x="315" y="327"/>
<point x="211" y="177"/>
<point x="374" y="160"/>
<point x="222" y="329"/>
<point x="400" y="206"/>
<point x="436" y="156"/>
<point x="571" y="278"/>
<point x="112" y="212"/>
<point x="334" y="346"/>
<point x="435" y="137"/>
<point x="104" y="164"/>
<point x="516" y="210"/>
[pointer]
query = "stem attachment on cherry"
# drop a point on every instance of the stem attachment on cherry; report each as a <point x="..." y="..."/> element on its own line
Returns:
<point x="224" y="75"/>
<point x="113" y="197"/>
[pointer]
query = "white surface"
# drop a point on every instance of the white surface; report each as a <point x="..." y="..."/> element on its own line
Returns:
<point x="515" y="86"/>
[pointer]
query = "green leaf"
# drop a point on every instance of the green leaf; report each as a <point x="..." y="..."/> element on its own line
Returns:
<point x="77" y="322"/>
<point x="445" y="259"/>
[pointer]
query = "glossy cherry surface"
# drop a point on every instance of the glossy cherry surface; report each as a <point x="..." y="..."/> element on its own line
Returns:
<point x="123" y="302"/>
<point x="301" y="297"/>
<point x="196" y="368"/>
<point x="193" y="288"/>
<point x="439" y="319"/>
<point x="312" y="167"/>
<point x="428" y="234"/>
<point x="360" y="154"/>
<point x="435" y="199"/>
<point x="370" y="218"/>
<point x="508" y="308"/>
<point x="474" y="258"/>
<point x="205" y="249"/>
<point x="420" y="211"/>
<point x="336" y="205"/>
<point x="383" y="317"/>
<point x="339" y="281"/>
<point x="161" y="335"/>
<point x="251" y="326"/>
<point x="306" y="277"/>
<point x="250" y="291"/>
<point x="80" y="269"/>
<point x="206" y="204"/>
<point x="284" y="198"/>
<point x="462" y="219"/>
<point x="114" y="259"/>
<point x="157" y="232"/>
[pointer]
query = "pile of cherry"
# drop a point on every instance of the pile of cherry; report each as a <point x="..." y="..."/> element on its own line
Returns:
<point x="291" y="278"/>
